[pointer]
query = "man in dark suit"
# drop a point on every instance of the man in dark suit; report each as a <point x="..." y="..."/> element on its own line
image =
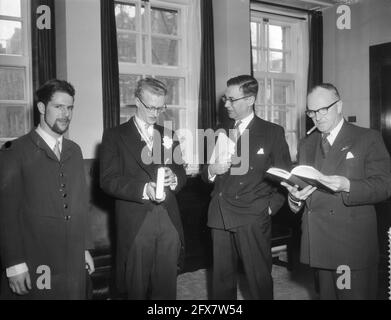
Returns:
<point x="149" y="230"/>
<point x="44" y="228"/>
<point x="242" y="202"/>
<point x="339" y="230"/>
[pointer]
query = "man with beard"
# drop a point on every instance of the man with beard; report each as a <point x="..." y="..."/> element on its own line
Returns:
<point x="44" y="206"/>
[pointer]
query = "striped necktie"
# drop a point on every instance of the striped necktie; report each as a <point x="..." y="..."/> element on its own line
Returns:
<point x="56" y="150"/>
<point x="325" y="144"/>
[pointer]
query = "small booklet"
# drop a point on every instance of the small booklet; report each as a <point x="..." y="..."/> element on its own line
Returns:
<point x="223" y="150"/>
<point x="301" y="176"/>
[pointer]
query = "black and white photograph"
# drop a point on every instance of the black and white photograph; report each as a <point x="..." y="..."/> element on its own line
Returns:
<point x="195" y="155"/>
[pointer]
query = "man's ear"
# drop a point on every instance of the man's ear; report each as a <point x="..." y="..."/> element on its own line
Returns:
<point x="339" y="106"/>
<point x="251" y="100"/>
<point x="41" y="107"/>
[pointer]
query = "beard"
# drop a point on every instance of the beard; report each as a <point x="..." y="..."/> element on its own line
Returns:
<point x="57" y="127"/>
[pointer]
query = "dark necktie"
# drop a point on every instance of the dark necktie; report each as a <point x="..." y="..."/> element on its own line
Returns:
<point x="236" y="133"/>
<point x="325" y="144"/>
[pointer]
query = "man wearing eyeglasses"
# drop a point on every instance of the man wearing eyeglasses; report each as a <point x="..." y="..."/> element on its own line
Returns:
<point x="149" y="230"/>
<point x="339" y="230"/>
<point x="242" y="204"/>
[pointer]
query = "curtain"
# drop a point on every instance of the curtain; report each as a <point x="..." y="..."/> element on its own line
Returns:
<point x="207" y="106"/>
<point x="110" y="69"/>
<point x="315" y="71"/>
<point x="43" y="42"/>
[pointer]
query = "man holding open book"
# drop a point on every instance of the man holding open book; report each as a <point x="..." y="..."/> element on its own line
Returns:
<point x="339" y="229"/>
<point x="242" y="200"/>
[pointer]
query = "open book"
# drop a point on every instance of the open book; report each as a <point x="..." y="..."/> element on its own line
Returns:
<point x="301" y="176"/>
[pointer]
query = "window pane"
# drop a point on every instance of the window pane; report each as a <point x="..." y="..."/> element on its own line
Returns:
<point x="275" y="37"/>
<point x="127" y="47"/>
<point x="279" y="115"/>
<point x="127" y="86"/>
<point x="276" y="61"/>
<point x="164" y="21"/>
<point x="164" y="51"/>
<point x="10" y="8"/>
<point x="12" y="83"/>
<point x="171" y="114"/>
<point x="10" y="37"/>
<point x="261" y="91"/>
<point x="283" y="92"/>
<point x="12" y="121"/>
<point x="125" y="16"/>
<point x="254" y="34"/>
<point x="173" y="89"/>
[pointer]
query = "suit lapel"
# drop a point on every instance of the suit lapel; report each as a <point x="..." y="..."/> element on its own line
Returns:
<point x="41" y="144"/>
<point x="337" y="152"/>
<point x="136" y="146"/>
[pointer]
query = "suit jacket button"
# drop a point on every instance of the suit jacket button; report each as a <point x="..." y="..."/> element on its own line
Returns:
<point x="331" y="211"/>
<point x="65" y="206"/>
<point x="67" y="218"/>
<point x="220" y="194"/>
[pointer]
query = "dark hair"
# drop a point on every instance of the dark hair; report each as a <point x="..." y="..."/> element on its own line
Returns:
<point x="247" y="83"/>
<point x="329" y="87"/>
<point x="45" y="93"/>
<point x="152" y="85"/>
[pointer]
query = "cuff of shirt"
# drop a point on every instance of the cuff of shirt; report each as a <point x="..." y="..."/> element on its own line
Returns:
<point x="145" y="196"/>
<point x="210" y="177"/>
<point x="16" y="270"/>
<point x="174" y="185"/>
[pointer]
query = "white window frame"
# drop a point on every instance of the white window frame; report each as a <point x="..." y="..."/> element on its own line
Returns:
<point x="290" y="74"/>
<point x="22" y="61"/>
<point x="139" y="68"/>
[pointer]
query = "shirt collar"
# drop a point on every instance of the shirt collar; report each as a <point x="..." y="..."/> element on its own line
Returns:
<point x="333" y="133"/>
<point x="50" y="141"/>
<point x="245" y="121"/>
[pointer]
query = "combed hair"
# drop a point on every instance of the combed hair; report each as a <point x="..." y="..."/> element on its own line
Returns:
<point x="247" y="83"/>
<point x="329" y="87"/>
<point x="152" y="85"/>
<point x="45" y="93"/>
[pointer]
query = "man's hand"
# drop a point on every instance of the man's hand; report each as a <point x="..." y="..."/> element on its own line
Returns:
<point x="219" y="168"/>
<point x="89" y="262"/>
<point x="336" y="183"/>
<point x="169" y="177"/>
<point x="301" y="195"/>
<point x="20" y="284"/>
<point x="151" y="193"/>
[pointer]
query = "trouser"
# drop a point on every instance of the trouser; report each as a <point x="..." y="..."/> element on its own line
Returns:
<point x="250" y="244"/>
<point x="353" y="285"/>
<point x="151" y="270"/>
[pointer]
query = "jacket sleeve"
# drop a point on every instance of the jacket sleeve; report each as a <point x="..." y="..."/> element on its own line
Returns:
<point x="177" y="167"/>
<point x="281" y="159"/>
<point x="11" y="198"/>
<point x="375" y="186"/>
<point x="112" y="180"/>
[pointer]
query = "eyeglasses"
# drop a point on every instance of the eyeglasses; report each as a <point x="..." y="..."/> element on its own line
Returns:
<point x="322" y="111"/>
<point x="231" y="101"/>
<point x="153" y="109"/>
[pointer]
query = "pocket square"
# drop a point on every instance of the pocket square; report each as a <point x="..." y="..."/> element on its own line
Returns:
<point x="349" y="155"/>
<point x="260" y="151"/>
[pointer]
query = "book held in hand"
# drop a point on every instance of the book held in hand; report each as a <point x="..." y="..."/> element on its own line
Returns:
<point x="301" y="176"/>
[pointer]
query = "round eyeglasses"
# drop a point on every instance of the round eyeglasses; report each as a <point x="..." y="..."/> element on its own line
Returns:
<point x="230" y="100"/>
<point x="153" y="109"/>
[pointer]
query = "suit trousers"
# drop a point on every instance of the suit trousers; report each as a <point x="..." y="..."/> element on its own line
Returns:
<point x="251" y="245"/>
<point x="363" y="284"/>
<point x="151" y="269"/>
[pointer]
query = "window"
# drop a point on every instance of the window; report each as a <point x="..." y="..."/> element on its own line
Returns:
<point x="15" y="72"/>
<point x="151" y="42"/>
<point x="279" y="65"/>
